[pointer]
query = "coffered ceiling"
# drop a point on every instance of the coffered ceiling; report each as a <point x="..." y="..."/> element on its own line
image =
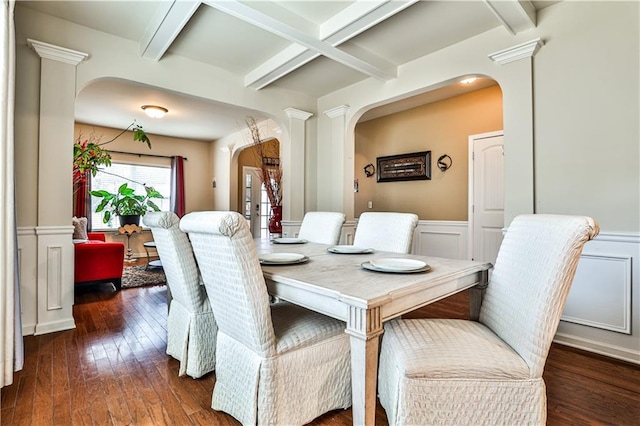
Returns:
<point x="312" y="46"/>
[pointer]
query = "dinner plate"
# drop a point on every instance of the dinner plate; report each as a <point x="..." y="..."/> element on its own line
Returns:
<point x="397" y="264"/>
<point x="289" y="241"/>
<point x="282" y="258"/>
<point x="347" y="249"/>
<point x="370" y="267"/>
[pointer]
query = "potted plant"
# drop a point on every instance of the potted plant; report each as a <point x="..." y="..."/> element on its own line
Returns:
<point x="126" y="204"/>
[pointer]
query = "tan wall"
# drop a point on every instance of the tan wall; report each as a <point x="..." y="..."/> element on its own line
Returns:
<point x="442" y="128"/>
<point x="197" y="168"/>
<point x="249" y="158"/>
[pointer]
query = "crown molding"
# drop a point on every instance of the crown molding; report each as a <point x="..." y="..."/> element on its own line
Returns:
<point x="337" y="111"/>
<point x="57" y="53"/>
<point x="297" y="113"/>
<point x="515" y="53"/>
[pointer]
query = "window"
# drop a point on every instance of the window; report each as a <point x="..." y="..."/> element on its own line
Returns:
<point x="135" y="175"/>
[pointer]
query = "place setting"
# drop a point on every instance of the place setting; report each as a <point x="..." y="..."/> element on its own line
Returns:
<point x="349" y="249"/>
<point x="396" y="266"/>
<point x="273" y="259"/>
<point x="286" y="240"/>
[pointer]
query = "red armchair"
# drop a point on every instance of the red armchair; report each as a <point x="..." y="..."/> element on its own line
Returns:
<point x="97" y="261"/>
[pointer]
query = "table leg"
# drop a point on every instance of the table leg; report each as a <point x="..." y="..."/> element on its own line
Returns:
<point x="476" y="294"/>
<point x="364" y="327"/>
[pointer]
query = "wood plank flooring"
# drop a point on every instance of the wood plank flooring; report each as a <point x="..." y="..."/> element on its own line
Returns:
<point x="113" y="370"/>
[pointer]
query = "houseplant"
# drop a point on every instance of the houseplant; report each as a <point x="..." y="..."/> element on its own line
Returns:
<point x="126" y="204"/>
<point x="89" y="154"/>
<point x="270" y="174"/>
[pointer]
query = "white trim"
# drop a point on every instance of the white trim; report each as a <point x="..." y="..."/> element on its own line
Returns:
<point x="54" y="230"/>
<point x="57" y="53"/>
<point x="337" y="111"/>
<point x="589" y="345"/>
<point x="297" y="113"/>
<point x="515" y="53"/>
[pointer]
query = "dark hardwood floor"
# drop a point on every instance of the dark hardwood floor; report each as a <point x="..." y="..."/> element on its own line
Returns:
<point x="112" y="369"/>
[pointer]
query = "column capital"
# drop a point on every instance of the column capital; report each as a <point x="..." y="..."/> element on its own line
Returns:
<point x="57" y="53"/>
<point x="297" y="113"/>
<point x="337" y="111"/>
<point x="520" y="51"/>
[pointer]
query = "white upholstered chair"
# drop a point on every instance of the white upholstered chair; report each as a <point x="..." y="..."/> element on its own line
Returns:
<point x="322" y="227"/>
<point x="458" y="372"/>
<point x="191" y="326"/>
<point x="386" y="231"/>
<point x="276" y="363"/>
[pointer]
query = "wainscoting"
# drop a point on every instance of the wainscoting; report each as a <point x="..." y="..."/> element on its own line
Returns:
<point x="602" y="314"/>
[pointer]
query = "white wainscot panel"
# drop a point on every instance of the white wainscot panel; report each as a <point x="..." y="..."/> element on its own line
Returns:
<point x="441" y="239"/>
<point x="600" y="295"/>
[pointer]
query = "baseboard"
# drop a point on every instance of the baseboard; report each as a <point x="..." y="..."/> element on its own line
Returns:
<point x="28" y="330"/>
<point x="54" y="326"/>
<point x="611" y="351"/>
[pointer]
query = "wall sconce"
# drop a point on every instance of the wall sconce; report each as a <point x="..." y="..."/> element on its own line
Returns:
<point x="154" y="111"/>
<point x="369" y="170"/>
<point x="444" y="162"/>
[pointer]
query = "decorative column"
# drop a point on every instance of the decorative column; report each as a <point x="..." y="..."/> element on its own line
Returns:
<point x="54" y="230"/>
<point x="518" y="140"/>
<point x="342" y="167"/>
<point x="293" y="163"/>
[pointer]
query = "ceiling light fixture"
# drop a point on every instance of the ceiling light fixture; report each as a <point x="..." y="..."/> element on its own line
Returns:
<point x="468" y="80"/>
<point x="154" y="111"/>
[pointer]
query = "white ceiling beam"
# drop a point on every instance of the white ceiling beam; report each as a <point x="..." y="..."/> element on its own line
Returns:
<point x="351" y="21"/>
<point x="281" y="29"/>
<point x="516" y="15"/>
<point x="170" y="18"/>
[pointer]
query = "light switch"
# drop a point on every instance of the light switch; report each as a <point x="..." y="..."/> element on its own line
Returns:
<point x="370" y="204"/>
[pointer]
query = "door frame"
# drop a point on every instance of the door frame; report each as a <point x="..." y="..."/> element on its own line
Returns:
<point x="471" y="200"/>
<point x="255" y="171"/>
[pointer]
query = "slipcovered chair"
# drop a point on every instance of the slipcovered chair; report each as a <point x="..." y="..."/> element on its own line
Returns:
<point x="446" y="371"/>
<point x="386" y="231"/>
<point x="321" y="227"/>
<point x="276" y="364"/>
<point x="191" y="326"/>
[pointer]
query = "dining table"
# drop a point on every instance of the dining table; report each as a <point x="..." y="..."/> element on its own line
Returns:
<point x="341" y="283"/>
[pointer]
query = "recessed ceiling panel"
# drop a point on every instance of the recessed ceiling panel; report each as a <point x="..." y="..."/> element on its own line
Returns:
<point x="319" y="77"/>
<point x="426" y="27"/>
<point x="218" y="39"/>
<point x="123" y="19"/>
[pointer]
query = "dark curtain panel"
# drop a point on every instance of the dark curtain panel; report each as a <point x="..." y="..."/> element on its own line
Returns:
<point x="177" y="185"/>
<point x="82" y="199"/>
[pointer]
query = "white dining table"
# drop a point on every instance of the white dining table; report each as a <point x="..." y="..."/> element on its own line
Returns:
<point x="338" y="286"/>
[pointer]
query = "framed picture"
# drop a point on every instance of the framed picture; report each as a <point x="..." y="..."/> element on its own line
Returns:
<point x="414" y="166"/>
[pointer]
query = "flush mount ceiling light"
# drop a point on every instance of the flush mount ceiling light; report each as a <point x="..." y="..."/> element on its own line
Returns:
<point x="154" y="111"/>
<point x="468" y="80"/>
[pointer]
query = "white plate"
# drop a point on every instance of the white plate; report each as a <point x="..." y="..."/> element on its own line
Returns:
<point x="289" y="241"/>
<point x="347" y="249"/>
<point x="369" y="266"/>
<point x="282" y="258"/>
<point x="396" y="264"/>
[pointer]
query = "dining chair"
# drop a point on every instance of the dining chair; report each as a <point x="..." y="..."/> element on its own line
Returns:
<point x="191" y="326"/>
<point x="447" y="371"/>
<point x="386" y="231"/>
<point x="276" y="363"/>
<point x="322" y="227"/>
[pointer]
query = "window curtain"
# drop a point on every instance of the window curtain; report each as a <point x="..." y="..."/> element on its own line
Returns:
<point x="177" y="185"/>
<point x="82" y="199"/>
<point x="11" y="348"/>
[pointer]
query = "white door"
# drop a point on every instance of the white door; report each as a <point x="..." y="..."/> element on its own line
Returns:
<point x="251" y="192"/>
<point x="486" y="195"/>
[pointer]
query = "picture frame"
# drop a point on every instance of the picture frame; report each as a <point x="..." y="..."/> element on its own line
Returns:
<point x="412" y="166"/>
